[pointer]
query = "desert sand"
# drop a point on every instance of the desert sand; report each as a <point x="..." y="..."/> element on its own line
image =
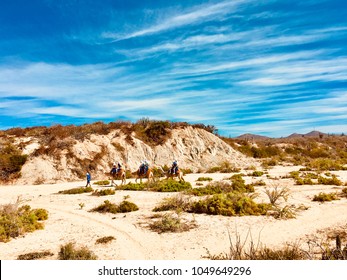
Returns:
<point x="67" y="222"/>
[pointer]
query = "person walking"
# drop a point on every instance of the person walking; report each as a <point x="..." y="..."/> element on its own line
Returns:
<point x="88" y="179"/>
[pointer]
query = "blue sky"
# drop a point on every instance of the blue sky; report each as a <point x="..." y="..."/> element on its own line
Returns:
<point x="245" y="66"/>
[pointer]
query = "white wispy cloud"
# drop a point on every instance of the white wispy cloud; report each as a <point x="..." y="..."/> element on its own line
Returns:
<point x="196" y="15"/>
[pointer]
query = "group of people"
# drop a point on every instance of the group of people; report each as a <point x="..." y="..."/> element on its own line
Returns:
<point x="117" y="166"/>
<point x="142" y="169"/>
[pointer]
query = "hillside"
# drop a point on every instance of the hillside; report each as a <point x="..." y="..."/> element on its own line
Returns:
<point x="65" y="153"/>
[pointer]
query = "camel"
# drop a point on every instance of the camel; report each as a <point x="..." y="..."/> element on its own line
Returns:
<point x="120" y="175"/>
<point x="178" y="174"/>
<point x="169" y="175"/>
<point x="148" y="175"/>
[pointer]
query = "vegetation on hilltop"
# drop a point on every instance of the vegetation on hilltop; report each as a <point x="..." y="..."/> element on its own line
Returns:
<point x="321" y="152"/>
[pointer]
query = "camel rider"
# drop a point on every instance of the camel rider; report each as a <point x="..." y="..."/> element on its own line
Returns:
<point x="116" y="168"/>
<point x="119" y="164"/>
<point x="174" y="167"/>
<point x="144" y="167"/>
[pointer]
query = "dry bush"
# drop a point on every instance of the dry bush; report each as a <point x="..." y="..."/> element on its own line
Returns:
<point x="16" y="220"/>
<point x="35" y="255"/>
<point x="171" y="223"/>
<point x="248" y="250"/>
<point x="78" y="190"/>
<point x="69" y="252"/>
<point x="166" y="185"/>
<point x="102" y="183"/>
<point x="230" y="204"/>
<point x="123" y="207"/>
<point x="105" y="240"/>
<point x="178" y="202"/>
<point x="286" y="212"/>
<point x="204" y="179"/>
<point x="223" y="167"/>
<point x="11" y="162"/>
<point x="104" y="192"/>
<point x="276" y="193"/>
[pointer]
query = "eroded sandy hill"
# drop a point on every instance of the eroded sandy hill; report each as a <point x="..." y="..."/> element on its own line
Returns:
<point x="194" y="148"/>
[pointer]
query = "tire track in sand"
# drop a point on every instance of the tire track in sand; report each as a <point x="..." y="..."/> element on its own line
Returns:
<point x="124" y="239"/>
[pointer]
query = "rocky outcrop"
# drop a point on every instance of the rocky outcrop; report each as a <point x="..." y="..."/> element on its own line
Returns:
<point x="194" y="148"/>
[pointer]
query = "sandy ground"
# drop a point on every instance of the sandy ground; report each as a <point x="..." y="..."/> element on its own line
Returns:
<point x="67" y="222"/>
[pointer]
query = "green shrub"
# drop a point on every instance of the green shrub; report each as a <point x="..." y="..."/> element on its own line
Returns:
<point x="104" y="192"/>
<point x="323" y="164"/>
<point x="204" y="179"/>
<point x="69" y="252"/>
<point x="329" y="181"/>
<point x="77" y="190"/>
<point x="107" y="206"/>
<point x="322" y="197"/>
<point x="41" y="214"/>
<point x="132" y="187"/>
<point x="102" y="183"/>
<point x="257" y="173"/>
<point x="212" y="188"/>
<point x="230" y="204"/>
<point x="169" y="186"/>
<point x="127" y="206"/>
<point x="238" y="184"/>
<point x="223" y="167"/>
<point x="152" y="132"/>
<point x="16" y="221"/>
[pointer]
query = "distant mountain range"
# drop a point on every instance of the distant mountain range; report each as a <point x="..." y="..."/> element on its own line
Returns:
<point x="313" y="133"/>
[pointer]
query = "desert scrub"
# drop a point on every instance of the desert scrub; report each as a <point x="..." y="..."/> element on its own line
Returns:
<point x="169" y="185"/>
<point x="178" y="202"/>
<point x="259" y="183"/>
<point x="284" y="213"/>
<point x="238" y="184"/>
<point x="11" y="162"/>
<point x="69" y="252"/>
<point x="212" y="188"/>
<point x="17" y="220"/>
<point x="105" y="240"/>
<point x="322" y="197"/>
<point x="247" y="250"/>
<point x="204" y="179"/>
<point x="35" y="255"/>
<point x="230" y="204"/>
<point x="102" y="183"/>
<point x="223" y="167"/>
<point x="344" y="192"/>
<point x="329" y="181"/>
<point x="107" y="206"/>
<point x="77" y="190"/>
<point x="325" y="164"/>
<point x="257" y="173"/>
<point x="132" y="187"/>
<point x="104" y="192"/>
<point x="169" y="222"/>
<point x="276" y="193"/>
